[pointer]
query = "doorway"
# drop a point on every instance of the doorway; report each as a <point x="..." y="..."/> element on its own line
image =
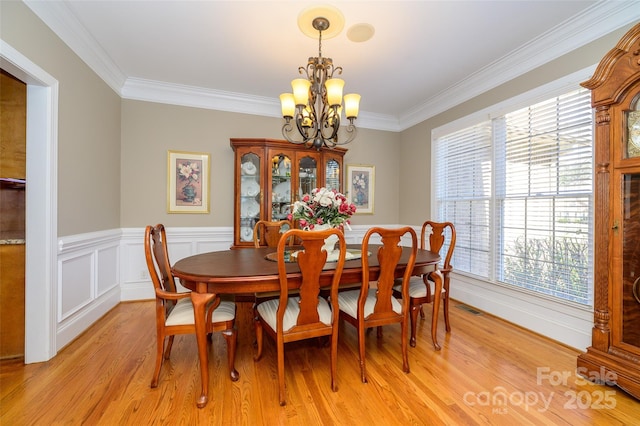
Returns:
<point x="41" y="203"/>
<point x="13" y="144"/>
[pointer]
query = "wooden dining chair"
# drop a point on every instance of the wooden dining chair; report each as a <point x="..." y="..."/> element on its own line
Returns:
<point x="375" y="306"/>
<point x="267" y="233"/>
<point x="421" y="288"/>
<point x="174" y="310"/>
<point x="290" y="318"/>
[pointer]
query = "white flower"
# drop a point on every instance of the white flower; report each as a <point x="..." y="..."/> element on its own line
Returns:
<point x="325" y="198"/>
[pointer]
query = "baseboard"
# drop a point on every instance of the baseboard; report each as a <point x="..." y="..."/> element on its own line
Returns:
<point x="142" y="290"/>
<point x="562" y="322"/>
<point x="77" y="324"/>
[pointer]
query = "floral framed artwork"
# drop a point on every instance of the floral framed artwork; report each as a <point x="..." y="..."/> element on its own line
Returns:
<point x="360" y="187"/>
<point x="188" y="182"/>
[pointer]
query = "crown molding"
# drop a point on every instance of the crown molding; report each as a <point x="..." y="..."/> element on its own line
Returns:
<point x="595" y="22"/>
<point x="61" y="20"/>
<point x="375" y="121"/>
<point x="198" y="97"/>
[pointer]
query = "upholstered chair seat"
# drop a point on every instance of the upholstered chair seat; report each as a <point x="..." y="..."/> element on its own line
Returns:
<point x="268" y="311"/>
<point x="417" y="288"/>
<point x="348" y="301"/>
<point x="182" y="313"/>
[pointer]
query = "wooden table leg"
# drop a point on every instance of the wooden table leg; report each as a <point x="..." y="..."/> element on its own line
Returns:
<point x="436" y="276"/>
<point x="200" y="301"/>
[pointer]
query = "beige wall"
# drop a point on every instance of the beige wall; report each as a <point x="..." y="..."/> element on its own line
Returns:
<point x="88" y="125"/>
<point x="149" y="130"/>
<point x="415" y="153"/>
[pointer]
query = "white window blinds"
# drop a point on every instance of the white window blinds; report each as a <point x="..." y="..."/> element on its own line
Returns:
<point x="464" y="192"/>
<point x="519" y="191"/>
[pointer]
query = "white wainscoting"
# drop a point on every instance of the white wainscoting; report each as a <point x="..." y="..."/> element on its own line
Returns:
<point x="98" y="270"/>
<point x="135" y="283"/>
<point x="88" y="281"/>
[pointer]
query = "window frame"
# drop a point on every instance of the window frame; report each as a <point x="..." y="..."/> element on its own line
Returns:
<point x="527" y="297"/>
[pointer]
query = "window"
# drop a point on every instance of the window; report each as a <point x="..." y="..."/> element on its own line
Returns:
<point x="518" y="188"/>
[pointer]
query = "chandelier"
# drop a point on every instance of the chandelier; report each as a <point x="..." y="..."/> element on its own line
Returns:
<point x="315" y="105"/>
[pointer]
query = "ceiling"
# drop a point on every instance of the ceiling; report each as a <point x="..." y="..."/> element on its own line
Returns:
<point x="424" y="57"/>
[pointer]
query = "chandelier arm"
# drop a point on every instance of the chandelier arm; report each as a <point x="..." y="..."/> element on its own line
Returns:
<point x="351" y="130"/>
<point x="307" y="132"/>
<point x="287" y="129"/>
<point x="330" y="120"/>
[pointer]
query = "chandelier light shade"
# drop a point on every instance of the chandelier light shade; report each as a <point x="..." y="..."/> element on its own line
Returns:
<point x="315" y="106"/>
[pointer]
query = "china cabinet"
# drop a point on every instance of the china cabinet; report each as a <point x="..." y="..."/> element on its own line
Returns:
<point x="271" y="174"/>
<point x="614" y="354"/>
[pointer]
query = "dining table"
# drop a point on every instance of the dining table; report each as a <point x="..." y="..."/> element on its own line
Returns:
<point x="246" y="271"/>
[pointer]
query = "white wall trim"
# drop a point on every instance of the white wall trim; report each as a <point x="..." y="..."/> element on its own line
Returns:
<point x="564" y="322"/>
<point x="200" y="97"/>
<point x="597" y="21"/>
<point x="88" y="283"/>
<point x="89" y="240"/>
<point x="72" y="327"/>
<point x="41" y="203"/>
<point x="549" y="90"/>
<point x="57" y="15"/>
<point x="135" y="283"/>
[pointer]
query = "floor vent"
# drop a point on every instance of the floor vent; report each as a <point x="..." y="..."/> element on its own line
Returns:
<point x="468" y="309"/>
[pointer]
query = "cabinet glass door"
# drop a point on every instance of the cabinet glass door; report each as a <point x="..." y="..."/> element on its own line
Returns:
<point x="631" y="260"/>
<point x="307" y="175"/>
<point x="280" y="186"/>
<point x="332" y="175"/>
<point x="250" y="195"/>
<point x="633" y="131"/>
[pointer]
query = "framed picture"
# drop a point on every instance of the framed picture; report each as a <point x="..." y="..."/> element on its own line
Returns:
<point x="188" y="182"/>
<point x="360" y="187"/>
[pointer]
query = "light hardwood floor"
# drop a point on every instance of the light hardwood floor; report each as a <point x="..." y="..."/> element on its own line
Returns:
<point x="488" y="373"/>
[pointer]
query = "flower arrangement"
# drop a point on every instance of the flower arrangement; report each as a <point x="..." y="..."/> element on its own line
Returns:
<point x="360" y="182"/>
<point x="322" y="207"/>
<point x="189" y="172"/>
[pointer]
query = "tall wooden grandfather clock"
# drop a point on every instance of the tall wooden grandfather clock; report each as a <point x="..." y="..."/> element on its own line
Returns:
<point x="614" y="354"/>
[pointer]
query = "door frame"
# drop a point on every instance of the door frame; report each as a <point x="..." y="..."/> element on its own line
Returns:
<point x="41" y="204"/>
